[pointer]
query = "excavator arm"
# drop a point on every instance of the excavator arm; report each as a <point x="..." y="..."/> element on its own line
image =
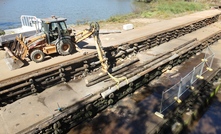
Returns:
<point x="101" y="54"/>
<point x="99" y="48"/>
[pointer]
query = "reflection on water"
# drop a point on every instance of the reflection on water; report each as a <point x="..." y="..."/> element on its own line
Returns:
<point x="73" y="10"/>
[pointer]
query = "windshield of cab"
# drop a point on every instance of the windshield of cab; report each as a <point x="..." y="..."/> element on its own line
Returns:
<point x="63" y="27"/>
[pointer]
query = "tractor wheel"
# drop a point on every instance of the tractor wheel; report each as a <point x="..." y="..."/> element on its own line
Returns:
<point x="37" y="56"/>
<point x="65" y="47"/>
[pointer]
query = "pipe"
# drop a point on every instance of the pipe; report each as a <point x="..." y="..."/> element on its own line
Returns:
<point x="15" y="87"/>
<point x="112" y="70"/>
<point x="105" y="77"/>
<point x="145" y="69"/>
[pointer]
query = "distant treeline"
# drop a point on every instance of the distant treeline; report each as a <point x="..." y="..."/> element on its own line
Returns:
<point x="144" y="0"/>
<point x="152" y="0"/>
<point x="2" y="32"/>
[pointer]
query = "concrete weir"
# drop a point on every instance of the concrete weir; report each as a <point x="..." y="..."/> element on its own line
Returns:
<point x="54" y="97"/>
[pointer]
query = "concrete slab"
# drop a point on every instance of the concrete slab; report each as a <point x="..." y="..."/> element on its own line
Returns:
<point x="4" y="129"/>
<point x="22" y="113"/>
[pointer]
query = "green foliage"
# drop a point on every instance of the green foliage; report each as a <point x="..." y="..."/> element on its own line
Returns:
<point x="2" y="32"/>
<point x="122" y="18"/>
<point x="177" y="7"/>
<point x="170" y="8"/>
<point x="161" y="9"/>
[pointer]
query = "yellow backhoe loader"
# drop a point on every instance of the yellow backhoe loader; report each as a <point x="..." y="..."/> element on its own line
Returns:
<point x="53" y="38"/>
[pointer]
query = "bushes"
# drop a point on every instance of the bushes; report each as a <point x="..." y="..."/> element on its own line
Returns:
<point x="2" y="32"/>
<point x="170" y="8"/>
<point x="122" y="18"/>
<point x="162" y="9"/>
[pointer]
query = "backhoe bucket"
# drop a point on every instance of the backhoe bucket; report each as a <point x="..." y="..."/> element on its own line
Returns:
<point x="11" y="61"/>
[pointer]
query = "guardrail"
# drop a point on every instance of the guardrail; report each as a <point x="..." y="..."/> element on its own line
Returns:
<point x="28" y="22"/>
<point x="173" y="94"/>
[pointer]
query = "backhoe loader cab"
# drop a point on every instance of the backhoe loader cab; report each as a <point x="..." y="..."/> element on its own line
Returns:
<point x="54" y="27"/>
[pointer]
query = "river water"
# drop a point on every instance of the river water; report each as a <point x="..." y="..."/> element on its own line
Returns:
<point x="74" y="10"/>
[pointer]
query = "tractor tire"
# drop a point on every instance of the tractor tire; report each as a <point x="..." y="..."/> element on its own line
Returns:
<point x="65" y="47"/>
<point x="37" y="56"/>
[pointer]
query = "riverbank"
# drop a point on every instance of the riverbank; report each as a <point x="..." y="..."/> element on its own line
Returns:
<point x="147" y="13"/>
<point x="139" y="12"/>
<point x="162" y="9"/>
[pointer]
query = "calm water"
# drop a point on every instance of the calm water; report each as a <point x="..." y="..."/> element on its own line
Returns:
<point x="74" y="10"/>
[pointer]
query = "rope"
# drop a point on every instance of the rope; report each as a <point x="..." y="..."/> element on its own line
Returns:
<point x="101" y="54"/>
<point x="118" y="80"/>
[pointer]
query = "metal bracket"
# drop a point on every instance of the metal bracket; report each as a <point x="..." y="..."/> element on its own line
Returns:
<point x="178" y="100"/>
<point x="159" y="115"/>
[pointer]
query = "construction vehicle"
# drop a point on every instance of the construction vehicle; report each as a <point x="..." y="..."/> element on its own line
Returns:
<point x="54" y="37"/>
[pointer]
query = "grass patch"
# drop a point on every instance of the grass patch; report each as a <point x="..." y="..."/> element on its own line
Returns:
<point x="171" y="8"/>
<point x="162" y="9"/>
<point x="2" y="32"/>
<point x="122" y="18"/>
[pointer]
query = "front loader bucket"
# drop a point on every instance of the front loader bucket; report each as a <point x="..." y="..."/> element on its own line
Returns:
<point x="11" y="61"/>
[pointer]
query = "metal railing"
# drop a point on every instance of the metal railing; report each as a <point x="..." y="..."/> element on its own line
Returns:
<point x="28" y="22"/>
<point x="173" y="94"/>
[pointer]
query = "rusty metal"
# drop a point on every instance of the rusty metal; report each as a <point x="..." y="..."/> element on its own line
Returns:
<point x="114" y="69"/>
<point x="106" y="77"/>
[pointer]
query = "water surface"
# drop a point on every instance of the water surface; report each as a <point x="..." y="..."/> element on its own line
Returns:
<point x="74" y="10"/>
